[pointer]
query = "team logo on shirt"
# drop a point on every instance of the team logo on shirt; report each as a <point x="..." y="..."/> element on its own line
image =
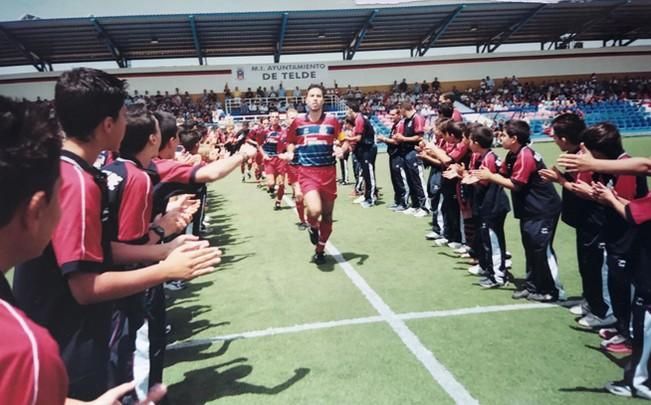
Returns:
<point x="112" y="180"/>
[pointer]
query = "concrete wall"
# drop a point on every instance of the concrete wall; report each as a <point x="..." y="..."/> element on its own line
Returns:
<point x="462" y="70"/>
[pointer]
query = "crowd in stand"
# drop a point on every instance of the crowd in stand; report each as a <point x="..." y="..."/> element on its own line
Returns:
<point x="123" y="232"/>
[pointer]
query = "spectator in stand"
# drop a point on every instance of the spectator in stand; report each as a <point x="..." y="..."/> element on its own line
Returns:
<point x="403" y="86"/>
<point x="436" y="85"/>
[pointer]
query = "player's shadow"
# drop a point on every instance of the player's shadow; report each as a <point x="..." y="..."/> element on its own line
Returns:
<point x="596" y="390"/>
<point x="447" y="254"/>
<point x="227" y="379"/>
<point x="229" y="260"/>
<point x="195" y="353"/>
<point x="357" y="259"/>
<point x="618" y="361"/>
<point x="188" y="293"/>
<point x="184" y="322"/>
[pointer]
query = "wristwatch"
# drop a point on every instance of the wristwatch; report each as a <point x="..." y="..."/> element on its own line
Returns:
<point x="158" y="230"/>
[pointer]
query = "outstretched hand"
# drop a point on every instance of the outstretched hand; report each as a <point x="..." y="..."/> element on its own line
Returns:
<point x="113" y="396"/>
<point x="579" y="162"/>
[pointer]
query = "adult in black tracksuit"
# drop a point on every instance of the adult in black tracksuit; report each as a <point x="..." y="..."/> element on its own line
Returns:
<point x="537" y="205"/>
<point x="413" y="128"/>
<point x="396" y="164"/>
<point x="365" y="151"/>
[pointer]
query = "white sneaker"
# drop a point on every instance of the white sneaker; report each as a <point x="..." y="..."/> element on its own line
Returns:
<point x="580" y="309"/>
<point x="441" y="242"/>
<point x="175" y="285"/>
<point x="432" y="235"/>
<point x="465" y="255"/>
<point x="508" y="263"/>
<point x="359" y="200"/>
<point x="593" y="321"/>
<point x="463" y="249"/>
<point x="409" y="211"/>
<point x="476" y="270"/>
<point x="454" y="245"/>
<point x="419" y="213"/>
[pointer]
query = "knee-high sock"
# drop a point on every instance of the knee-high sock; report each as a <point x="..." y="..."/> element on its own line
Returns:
<point x="324" y="233"/>
<point x="314" y="222"/>
<point x="280" y="192"/>
<point x="300" y="208"/>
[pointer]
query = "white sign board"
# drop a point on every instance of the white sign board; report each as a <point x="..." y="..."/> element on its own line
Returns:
<point x="289" y="74"/>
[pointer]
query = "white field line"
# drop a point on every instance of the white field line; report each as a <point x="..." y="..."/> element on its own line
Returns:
<point x="273" y="331"/>
<point x="437" y="370"/>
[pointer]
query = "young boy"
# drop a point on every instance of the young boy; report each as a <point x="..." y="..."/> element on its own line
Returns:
<point x="490" y="206"/>
<point x="605" y="141"/>
<point x="33" y="371"/>
<point x="69" y="289"/>
<point x="454" y="151"/>
<point x="537" y="205"/>
<point x="588" y="218"/>
<point x="637" y="213"/>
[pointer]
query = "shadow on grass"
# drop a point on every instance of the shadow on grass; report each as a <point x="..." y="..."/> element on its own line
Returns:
<point x="195" y="353"/>
<point x="222" y="380"/>
<point x="184" y="324"/>
<point x="618" y="361"/>
<point x="447" y="254"/>
<point x="189" y="293"/>
<point x="596" y="390"/>
<point x="331" y="262"/>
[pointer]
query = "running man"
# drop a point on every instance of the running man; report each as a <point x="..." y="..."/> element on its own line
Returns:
<point x="311" y="138"/>
<point x="274" y="167"/>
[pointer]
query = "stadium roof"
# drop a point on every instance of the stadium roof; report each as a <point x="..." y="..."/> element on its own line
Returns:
<point x="42" y="42"/>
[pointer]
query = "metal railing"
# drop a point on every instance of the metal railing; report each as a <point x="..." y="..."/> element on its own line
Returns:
<point x="244" y="106"/>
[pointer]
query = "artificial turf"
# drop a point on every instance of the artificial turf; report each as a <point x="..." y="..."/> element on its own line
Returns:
<point x="522" y="357"/>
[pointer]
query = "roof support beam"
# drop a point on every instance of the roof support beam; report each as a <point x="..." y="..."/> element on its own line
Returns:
<point x="195" y="38"/>
<point x="624" y="39"/>
<point x="281" y="38"/>
<point x="492" y="44"/>
<point x="564" y="42"/>
<point x="35" y="60"/>
<point x="112" y="47"/>
<point x="349" y="52"/>
<point x="436" y="32"/>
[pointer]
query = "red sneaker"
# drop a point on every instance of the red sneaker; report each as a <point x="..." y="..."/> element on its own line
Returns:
<point x="607" y="333"/>
<point x="618" y="346"/>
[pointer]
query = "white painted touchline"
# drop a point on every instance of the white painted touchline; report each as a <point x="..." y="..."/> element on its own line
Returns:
<point x="356" y="321"/>
<point x="478" y="310"/>
<point x="276" y="331"/>
<point x="437" y="370"/>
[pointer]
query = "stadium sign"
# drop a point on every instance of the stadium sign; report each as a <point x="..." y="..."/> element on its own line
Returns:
<point x="290" y="74"/>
